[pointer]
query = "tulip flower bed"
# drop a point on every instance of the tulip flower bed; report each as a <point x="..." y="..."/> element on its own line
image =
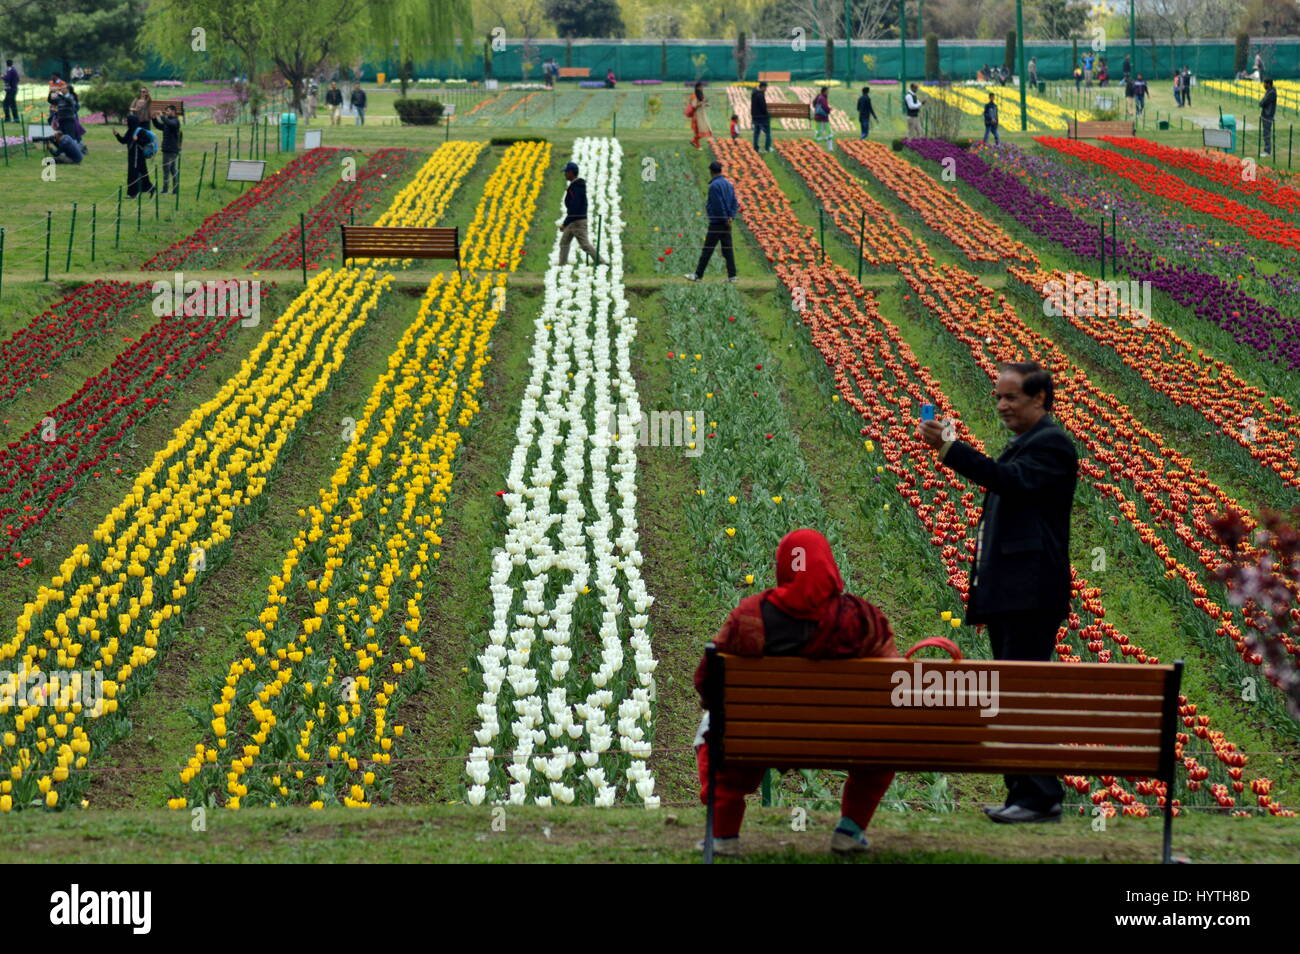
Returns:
<point x="116" y="602"/>
<point x="1213" y="299"/>
<point x="883" y="240"/>
<point x="58" y="455"/>
<point x="568" y="662"/>
<point x="61" y="331"/>
<point x="1267" y="427"/>
<point x="380" y="174"/>
<point x="424" y="200"/>
<point x="880" y="378"/>
<point x="671" y="220"/>
<point x="237" y="227"/>
<point x="1177" y="241"/>
<point x="839" y="120"/>
<point x="332" y="680"/>
<point x="1152" y="180"/>
<point x="1168" y="482"/>
<point x="1230" y="174"/>
<point x="978" y="238"/>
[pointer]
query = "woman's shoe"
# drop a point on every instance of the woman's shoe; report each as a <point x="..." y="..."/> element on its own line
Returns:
<point x="723" y="847"/>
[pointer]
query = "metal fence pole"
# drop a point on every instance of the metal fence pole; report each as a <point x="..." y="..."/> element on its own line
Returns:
<point x="203" y="170"/>
<point x="216" y="157"/>
<point x="117" y="231"/>
<point x="94" y="217"/>
<point x="49" y="224"/>
<point x="72" y="232"/>
<point x="302" y="243"/>
<point x="2" y="260"/>
<point x="862" y="235"/>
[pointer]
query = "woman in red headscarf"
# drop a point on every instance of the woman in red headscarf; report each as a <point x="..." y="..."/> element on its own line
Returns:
<point x="807" y="614"/>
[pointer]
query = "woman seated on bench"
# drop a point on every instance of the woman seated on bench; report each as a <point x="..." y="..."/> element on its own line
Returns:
<point x="806" y="614"/>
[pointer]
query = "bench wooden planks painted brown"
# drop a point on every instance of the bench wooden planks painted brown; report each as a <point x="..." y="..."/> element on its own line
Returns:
<point x="368" y="241"/>
<point x="788" y="712"/>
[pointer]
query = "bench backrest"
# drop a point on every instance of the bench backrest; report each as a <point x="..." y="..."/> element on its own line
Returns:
<point x="775" y="76"/>
<point x="1097" y="128"/>
<point x="575" y="72"/>
<point x="366" y="241"/>
<point x="789" y="110"/>
<point x="1049" y="718"/>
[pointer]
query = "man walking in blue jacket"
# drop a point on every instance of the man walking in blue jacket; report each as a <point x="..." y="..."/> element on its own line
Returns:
<point x="721" y="209"/>
<point x="991" y="120"/>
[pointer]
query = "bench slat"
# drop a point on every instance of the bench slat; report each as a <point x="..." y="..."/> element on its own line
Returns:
<point x="789" y="110"/>
<point x="880" y="697"/>
<point x="803" y="664"/>
<point x="1007" y="682"/>
<point x="946" y="715"/>
<point x="368" y="241"/>
<point x="841" y="731"/>
<point x="973" y="757"/>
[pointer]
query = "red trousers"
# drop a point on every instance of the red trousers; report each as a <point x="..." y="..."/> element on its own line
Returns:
<point x="862" y="793"/>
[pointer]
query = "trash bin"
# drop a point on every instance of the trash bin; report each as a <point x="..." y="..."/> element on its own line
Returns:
<point x="1042" y="86"/>
<point x="1162" y="124"/>
<point x="1229" y="122"/>
<point x="380" y="77"/>
<point x="288" y="131"/>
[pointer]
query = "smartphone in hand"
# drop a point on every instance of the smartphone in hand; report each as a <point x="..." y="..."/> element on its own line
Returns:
<point x="927" y="412"/>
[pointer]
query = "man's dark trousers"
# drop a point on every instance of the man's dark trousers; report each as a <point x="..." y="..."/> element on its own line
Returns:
<point x="11" y="106"/>
<point x="719" y="231"/>
<point x="1029" y="636"/>
<point x="763" y="125"/>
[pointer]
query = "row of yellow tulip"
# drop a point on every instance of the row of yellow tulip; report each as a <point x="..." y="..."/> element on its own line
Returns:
<point x="116" y="601"/>
<point x="305" y="718"/>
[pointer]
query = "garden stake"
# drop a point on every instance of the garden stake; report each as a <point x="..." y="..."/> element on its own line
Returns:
<point x="302" y="243"/>
<point x="93" y="222"/>
<point x="117" y="232"/>
<point x="48" y="225"/>
<point x="72" y="231"/>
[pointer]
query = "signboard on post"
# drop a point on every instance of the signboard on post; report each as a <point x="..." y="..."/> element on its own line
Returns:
<point x="311" y="139"/>
<point x="1216" y="138"/>
<point x="448" y="110"/>
<point x="245" y="170"/>
<point x="40" y="130"/>
<point x="489" y="84"/>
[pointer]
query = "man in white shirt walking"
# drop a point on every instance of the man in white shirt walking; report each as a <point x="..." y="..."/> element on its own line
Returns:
<point x="912" y="104"/>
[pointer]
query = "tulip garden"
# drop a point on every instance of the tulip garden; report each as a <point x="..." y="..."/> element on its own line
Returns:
<point x="397" y="538"/>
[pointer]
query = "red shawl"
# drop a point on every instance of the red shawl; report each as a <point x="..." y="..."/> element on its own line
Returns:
<point x="809" y="586"/>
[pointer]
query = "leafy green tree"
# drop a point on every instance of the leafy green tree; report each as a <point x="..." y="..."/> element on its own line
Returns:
<point x="1058" y="19"/>
<point x="585" y="18"/>
<point x="87" y="32"/>
<point x="299" y="37"/>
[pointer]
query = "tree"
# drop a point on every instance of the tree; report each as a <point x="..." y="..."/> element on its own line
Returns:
<point x="1058" y="19"/>
<point x="74" y="31"/>
<point x="1270" y="18"/>
<point x="323" y="32"/>
<point x="585" y="18"/>
<point x="869" y="19"/>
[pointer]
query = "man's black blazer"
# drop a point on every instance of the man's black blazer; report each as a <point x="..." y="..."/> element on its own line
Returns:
<point x="1023" y="560"/>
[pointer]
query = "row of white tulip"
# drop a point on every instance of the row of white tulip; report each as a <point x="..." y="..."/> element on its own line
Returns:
<point x="567" y="668"/>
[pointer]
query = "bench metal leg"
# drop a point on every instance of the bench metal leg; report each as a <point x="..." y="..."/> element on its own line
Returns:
<point x="713" y="795"/>
<point x="1166" y="856"/>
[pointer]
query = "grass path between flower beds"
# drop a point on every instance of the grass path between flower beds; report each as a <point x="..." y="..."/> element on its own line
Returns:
<point x="442" y="833"/>
<point x="162" y="728"/>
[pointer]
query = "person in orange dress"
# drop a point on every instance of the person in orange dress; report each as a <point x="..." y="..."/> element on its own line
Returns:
<point x="696" y="110"/>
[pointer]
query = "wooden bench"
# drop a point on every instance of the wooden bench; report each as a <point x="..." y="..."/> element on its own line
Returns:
<point x="774" y="76"/>
<point x="159" y="106"/>
<point x="787" y="712"/>
<point x="1097" y="128"/>
<point x="789" y="110"/>
<point x="368" y="241"/>
<point x="575" y="72"/>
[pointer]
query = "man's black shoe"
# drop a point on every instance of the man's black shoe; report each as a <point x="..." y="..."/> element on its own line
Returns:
<point x="1016" y="814"/>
